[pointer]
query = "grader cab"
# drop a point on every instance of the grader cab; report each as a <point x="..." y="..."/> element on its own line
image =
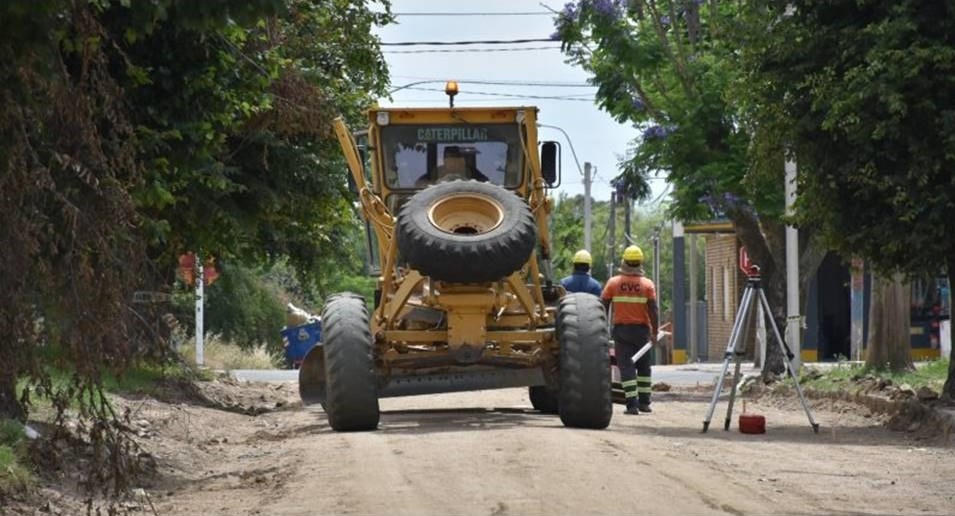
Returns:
<point x="456" y="206"/>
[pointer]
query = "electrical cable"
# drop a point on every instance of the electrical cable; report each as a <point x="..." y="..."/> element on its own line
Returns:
<point x="572" y="151"/>
<point x="492" y="83"/>
<point x="500" y="13"/>
<point x="461" y="50"/>
<point x="491" y="94"/>
<point x="517" y="82"/>
<point x="481" y="42"/>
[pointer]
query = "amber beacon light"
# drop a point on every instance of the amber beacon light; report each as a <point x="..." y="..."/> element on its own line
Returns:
<point x="451" y="89"/>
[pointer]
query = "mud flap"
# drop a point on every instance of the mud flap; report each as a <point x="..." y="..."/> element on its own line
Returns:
<point x="311" y="377"/>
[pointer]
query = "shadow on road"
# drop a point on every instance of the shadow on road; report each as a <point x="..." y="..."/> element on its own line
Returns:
<point x="462" y="419"/>
<point x="451" y="419"/>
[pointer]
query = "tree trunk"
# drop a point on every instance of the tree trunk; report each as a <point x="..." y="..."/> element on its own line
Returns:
<point x="9" y="407"/>
<point x="948" y="391"/>
<point x="13" y="364"/>
<point x="890" y="344"/>
<point x="773" y="281"/>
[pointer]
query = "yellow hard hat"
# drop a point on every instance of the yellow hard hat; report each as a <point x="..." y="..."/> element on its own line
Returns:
<point x="583" y="256"/>
<point x="632" y="254"/>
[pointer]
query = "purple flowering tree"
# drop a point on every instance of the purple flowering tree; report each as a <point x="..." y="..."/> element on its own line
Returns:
<point x="672" y="68"/>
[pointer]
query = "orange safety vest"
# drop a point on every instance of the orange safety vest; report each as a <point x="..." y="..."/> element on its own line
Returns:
<point x="630" y="294"/>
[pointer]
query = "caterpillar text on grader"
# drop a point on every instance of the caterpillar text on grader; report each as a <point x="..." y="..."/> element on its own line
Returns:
<point x="456" y="206"/>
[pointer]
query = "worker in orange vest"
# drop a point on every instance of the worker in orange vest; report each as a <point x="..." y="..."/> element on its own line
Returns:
<point x="635" y="320"/>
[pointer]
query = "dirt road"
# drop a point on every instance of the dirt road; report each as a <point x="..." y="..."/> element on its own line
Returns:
<point x="489" y="453"/>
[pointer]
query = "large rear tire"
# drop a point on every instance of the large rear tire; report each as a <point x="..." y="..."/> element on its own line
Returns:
<point x="352" y="390"/>
<point x="585" y="398"/>
<point x="544" y="398"/>
<point x="466" y="232"/>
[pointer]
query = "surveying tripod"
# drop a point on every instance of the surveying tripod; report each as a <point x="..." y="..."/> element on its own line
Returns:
<point x="735" y="350"/>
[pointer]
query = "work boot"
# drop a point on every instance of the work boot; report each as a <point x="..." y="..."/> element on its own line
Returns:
<point x="632" y="408"/>
<point x="645" y="407"/>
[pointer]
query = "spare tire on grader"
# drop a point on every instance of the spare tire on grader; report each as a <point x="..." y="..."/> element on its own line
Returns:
<point x="466" y="232"/>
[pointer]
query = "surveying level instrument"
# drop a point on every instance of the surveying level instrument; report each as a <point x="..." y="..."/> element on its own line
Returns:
<point x="735" y="350"/>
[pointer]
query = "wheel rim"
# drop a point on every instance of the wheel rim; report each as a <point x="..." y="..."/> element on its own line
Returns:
<point x="466" y="214"/>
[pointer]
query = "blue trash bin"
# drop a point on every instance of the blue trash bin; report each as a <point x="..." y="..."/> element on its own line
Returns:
<point x="299" y="340"/>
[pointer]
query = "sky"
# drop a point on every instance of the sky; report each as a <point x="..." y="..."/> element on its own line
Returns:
<point x="594" y="135"/>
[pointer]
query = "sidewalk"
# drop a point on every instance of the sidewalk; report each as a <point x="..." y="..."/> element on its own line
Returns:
<point x="705" y="373"/>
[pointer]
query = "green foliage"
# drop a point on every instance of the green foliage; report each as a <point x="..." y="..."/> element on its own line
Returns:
<point x="15" y="475"/>
<point x="866" y="97"/>
<point x="11" y="432"/>
<point x="668" y="68"/>
<point x="246" y="306"/>
<point x="567" y="224"/>
<point x="141" y="377"/>
<point x="359" y="284"/>
<point x="863" y="90"/>
<point x="144" y="377"/>
<point x="222" y="355"/>
<point x="930" y="374"/>
<point x="131" y="132"/>
<point x="255" y="173"/>
<point x="244" y="309"/>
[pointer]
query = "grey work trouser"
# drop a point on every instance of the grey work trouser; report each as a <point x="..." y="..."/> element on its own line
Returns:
<point x="636" y="380"/>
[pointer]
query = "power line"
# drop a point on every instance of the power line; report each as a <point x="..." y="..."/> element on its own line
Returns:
<point x="513" y="82"/>
<point x="659" y="198"/>
<point x="500" y="13"/>
<point x="548" y="84"/>
<point x="484" y="42"/>
<point x="569" y="142"/>
<point x="490" y="94"/>
<point x="494" y="83"/>
<point x="443" y="102"/>
<point x="456" y="50"/>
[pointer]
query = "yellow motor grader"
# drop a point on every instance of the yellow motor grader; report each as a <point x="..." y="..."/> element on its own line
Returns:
<point x="457" y="215"/>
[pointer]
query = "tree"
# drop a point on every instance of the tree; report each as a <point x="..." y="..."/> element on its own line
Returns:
<point x="254" y="172"/>
<point x="864" y="91"/>
<point x="890" y="344"/>
<point x="567" y="225"/>
<point x="670" y="67"/>
<point x="68" y="159"/>
<point x="134" y="131"/>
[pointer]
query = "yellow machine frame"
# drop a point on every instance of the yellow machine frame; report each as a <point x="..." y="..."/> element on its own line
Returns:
<point x="510" y="317"/>
<point x="469" y="303"/>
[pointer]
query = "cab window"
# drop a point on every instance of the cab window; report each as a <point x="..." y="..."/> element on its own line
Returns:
<point x="416" y="156"/>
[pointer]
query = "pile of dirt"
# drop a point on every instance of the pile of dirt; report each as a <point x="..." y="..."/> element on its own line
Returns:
<point x="176" y="428"/>
<point x="226" y="393"/>
<point x="900" y="406"/>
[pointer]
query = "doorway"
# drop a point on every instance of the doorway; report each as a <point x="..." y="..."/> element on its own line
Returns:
<point x="834" y="310"/>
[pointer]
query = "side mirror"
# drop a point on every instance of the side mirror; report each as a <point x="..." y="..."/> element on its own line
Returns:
<point x="550" y="163"/>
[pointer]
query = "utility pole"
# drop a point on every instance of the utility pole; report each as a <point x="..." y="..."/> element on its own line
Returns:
<point x="693" y="330"/>
<point x="627" y="236"/>
<point x="679" y="293"/>
<point x="857" y="299"/>
<point x="656" y="263"/>
<point x="200" y="294"/>
<point x="588" y="220"/>
<point x="612" y="234"/>
<point x="792" y="270"/>
<point x="655" y="237"/>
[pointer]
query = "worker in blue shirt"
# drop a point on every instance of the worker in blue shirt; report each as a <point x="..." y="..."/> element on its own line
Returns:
<point x="580" y="280"/>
